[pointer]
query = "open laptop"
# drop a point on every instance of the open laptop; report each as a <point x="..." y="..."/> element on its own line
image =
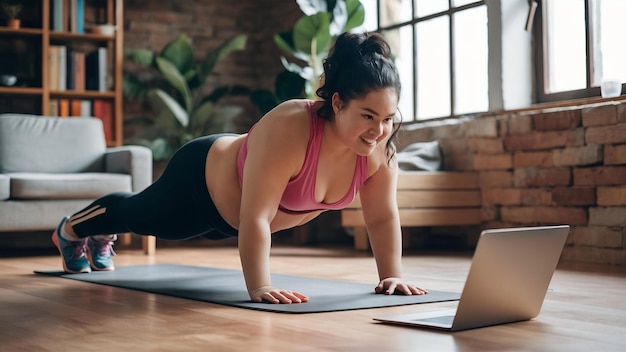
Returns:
<point x="507" y="281"/>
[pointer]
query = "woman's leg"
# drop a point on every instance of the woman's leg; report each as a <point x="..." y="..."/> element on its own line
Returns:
<point x="175" y="207"/>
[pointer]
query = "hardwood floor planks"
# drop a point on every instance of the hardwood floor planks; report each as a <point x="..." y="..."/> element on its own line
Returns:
<point x="583" y="310"/>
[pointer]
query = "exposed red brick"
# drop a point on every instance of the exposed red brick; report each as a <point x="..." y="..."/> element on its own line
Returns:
<point x="574" y="196"/>
<point x="533" y="177"/>
<point x="492" y="161"/>
<point x="608" y="196"/>
<point x="519" y="124"/>
<point x="588" y="254"/>
<point x="489" y="213"/>
<point x="484" y="127"/>
<point x="495" y="179"/>
<point x="544" y="215"/>
<point x="621" y="113"/>
<point x="558" y="120"/>
<point x="545" y="140"/>
<point x="615" y="154"/>
<point x="598" y="236"/>
<point x="601" y="176"/>
<point x="611" y="134"/>
<point x="600" y="115"/>
<point x="505" y="196"/>
<point x="536" y="196"/>
<point x="533" y="159"/>
<point x="607" y="216"/>
<point x="486" y="145"/>
<point x="576" y="156"/>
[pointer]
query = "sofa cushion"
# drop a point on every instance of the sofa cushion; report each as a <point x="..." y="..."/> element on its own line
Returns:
<point x="30" y="143"/>
<point x="5" y="187"/>
<point x="66" y="186"/>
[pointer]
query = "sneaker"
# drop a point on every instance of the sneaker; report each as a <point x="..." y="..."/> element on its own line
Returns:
<point x="100" y="253"/>
<point x="72" y="252"/>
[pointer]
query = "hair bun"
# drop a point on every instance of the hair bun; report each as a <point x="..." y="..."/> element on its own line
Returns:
<point x="375" y="43"/>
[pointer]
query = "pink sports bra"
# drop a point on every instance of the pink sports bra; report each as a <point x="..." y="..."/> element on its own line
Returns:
<point x="299" y="195"/>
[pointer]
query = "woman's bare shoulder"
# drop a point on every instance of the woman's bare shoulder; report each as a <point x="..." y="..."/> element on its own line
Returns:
<point x="290" y="117"/>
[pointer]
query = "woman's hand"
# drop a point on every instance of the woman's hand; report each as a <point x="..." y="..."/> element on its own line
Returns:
<point x="393" y="285"/>
<point x="275" y="295"/>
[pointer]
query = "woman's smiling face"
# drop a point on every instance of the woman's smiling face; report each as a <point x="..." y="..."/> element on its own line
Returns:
<point x="364" y="123"/>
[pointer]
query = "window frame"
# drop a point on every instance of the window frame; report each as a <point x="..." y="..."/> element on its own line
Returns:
<point x="540" y="59"/>
<point x="413" y="23"/>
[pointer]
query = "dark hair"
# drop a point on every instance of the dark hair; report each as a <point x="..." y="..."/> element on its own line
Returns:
<point x="357" y="65"/>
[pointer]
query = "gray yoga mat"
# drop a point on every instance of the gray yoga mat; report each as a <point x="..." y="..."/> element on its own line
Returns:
<point x="226" y="286"/>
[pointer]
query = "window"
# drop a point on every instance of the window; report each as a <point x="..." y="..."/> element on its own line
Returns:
<point x="440" y="48"/>
<point x="581" y="44"/>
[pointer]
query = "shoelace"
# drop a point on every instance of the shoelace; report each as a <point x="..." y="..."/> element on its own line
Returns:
<point x="78" y="249"/>
<point x="105" y="247"/>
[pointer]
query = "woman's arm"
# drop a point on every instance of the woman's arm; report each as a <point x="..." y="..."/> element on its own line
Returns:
<point x="276" y="149"/>
<point x="382" y="220"/>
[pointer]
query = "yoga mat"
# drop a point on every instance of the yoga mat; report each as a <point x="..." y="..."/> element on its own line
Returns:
<point x="226" y="286"/>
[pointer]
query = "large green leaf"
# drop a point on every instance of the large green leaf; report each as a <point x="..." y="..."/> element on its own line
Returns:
<point x="133" y="88"/>
<point x="160" y="100"/>
<point x="223" y="91"/>
<point x="312" y="32"/>
<point x="142" y="57"/>
<point x="237" y="42"/>
<point x="180" y="53"/>
<point x="201" y="115"/>
<point x="356" y="14"/>
<point x="284" y="41"/>
<point x="175" y="78"/>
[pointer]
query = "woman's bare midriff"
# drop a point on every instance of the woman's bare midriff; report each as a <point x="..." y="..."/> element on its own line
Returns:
<point x="223" y="183"/>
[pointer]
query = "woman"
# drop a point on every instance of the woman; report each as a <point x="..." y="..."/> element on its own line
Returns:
<point x="299" y="160"/>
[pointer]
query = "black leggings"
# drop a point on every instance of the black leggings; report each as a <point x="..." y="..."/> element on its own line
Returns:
<point x="175" y="207"/>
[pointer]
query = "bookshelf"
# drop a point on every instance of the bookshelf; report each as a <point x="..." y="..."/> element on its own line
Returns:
<point x="64" y="64"/>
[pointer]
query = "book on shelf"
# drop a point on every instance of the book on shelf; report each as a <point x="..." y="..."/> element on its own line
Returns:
<point x="75" y="78"/>
<point x="75" y="108"/>
<point x="53" y="67"/>
<point x="79" y="70"/>
<point x="57" y="61"/>
<point x="64" y="107"/>
<point x="58" y="15"/>
<point x="96" y="70"/>
<point x="103" y="109"/>
<point x="77" y="16"/>
<point x="62" y="69"/>
<point x="85" y="108"/>
<point x="53" y="107"/>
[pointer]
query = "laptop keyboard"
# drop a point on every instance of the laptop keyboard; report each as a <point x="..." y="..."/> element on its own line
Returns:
<point x="444" y="320"/>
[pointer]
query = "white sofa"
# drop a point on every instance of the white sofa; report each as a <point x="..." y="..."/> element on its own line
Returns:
<point x="51" y="167"/>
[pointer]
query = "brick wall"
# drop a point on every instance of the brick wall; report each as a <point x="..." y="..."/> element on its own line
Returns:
<point x="553" y="166"/>
<point x="151" y="24"/>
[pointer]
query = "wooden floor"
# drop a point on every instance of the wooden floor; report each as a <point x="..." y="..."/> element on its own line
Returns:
<point x="585" y="310"/>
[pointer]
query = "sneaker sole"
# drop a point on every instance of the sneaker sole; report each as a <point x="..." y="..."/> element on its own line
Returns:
<point x="55" y="240"/>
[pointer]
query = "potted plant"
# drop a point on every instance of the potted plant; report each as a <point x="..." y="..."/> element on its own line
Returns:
<point x="173" y="83"/>
<point x="309" y="41"/>
<point x="12" y="10"/>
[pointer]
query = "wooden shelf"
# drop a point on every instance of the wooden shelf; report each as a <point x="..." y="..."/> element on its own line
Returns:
<point x="82" y="94"/>
<point x="20" y="31"/>
<point x="68" y="36"/>
<point x="21" y="90"/>
<point x="37" y="56"/>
